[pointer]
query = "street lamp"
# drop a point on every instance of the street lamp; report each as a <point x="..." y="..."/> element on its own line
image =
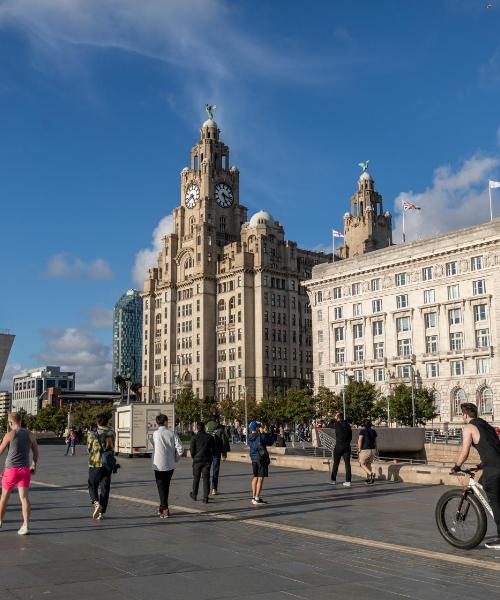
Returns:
<point x="412" y="395"/>
<point x="343" y="395"/>
<point x="245" y="389"/>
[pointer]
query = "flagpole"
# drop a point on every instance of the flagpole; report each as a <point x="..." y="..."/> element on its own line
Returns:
<point x="404" y="235"/>
<point x="491" y="205"/>
<point x="333" y="237"/>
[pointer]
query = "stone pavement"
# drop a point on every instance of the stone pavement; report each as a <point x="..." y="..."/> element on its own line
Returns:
<point x="311" y="542"/>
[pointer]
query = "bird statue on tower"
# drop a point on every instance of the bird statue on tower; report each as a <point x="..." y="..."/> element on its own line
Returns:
<point x="364" y="165"/>
<point x="210" y="110"/>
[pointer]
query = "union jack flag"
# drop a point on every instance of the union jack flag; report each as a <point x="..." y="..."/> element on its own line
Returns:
<point x="336" y="233"/>
<point x="410" y="206"/>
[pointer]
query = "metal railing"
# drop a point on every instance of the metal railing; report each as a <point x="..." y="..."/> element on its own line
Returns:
<point x="436" y="436"/>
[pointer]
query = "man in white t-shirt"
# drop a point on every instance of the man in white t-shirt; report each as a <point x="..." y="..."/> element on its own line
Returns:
<point x="167" y="451"/>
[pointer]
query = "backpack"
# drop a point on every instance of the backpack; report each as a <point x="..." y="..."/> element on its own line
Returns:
<point x="263" y="458"/>
<point x="108" y="460"/>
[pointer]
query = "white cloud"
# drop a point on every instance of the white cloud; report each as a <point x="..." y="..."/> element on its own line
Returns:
<point x="457" y="198"/>
<point x="77" y="350"/>
<point x="99" y="317"/>
<point x="64" y="266"/>
<point x="11" y="370"/>
<point x="147" y="257"/>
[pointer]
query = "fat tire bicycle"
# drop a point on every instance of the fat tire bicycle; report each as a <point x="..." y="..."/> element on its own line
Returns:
<point x="461" y="513"/>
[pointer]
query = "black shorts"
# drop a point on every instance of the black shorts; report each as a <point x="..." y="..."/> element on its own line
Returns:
<point x="260" y="470"/>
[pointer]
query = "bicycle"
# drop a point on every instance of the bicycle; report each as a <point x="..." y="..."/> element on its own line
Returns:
<point x="461" y="513"/>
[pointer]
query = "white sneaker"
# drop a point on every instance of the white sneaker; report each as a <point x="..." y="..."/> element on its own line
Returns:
<point x="214" y="492"/>
<point x="347" y="484"/>
<point x="23" y="531"/>
<point x="97" y="510"/>
<point x="254" y="501"/>
<point x="332" y="482"/>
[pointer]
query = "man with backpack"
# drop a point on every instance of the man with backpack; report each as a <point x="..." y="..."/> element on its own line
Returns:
<point x="221" y="448"/>
<point x="258" y="441"/>
<point x="102" y="463"/>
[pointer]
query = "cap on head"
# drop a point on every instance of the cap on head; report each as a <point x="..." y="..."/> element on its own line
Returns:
<point x="254" y="425"/>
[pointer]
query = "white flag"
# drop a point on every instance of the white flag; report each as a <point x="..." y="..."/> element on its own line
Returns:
<point x="336" y="233"/>
<point x="494" y="184"/>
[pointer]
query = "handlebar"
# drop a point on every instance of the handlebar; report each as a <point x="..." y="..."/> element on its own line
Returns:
<point x="470" y="471"/>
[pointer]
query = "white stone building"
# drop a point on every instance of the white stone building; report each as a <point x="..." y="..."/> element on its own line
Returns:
<point x="5" y="403"/>
<point x="28" y="387"/>
<point x="428" y="309"/>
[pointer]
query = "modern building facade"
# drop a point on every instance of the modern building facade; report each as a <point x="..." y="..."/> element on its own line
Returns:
<point x="127" y="336"/>
<point x="28" y="387"/>
<point x="6" y="341"/>
<point x="5" y="403"/>
<point x="224" y="312"/>
<point x="426" y="311"/>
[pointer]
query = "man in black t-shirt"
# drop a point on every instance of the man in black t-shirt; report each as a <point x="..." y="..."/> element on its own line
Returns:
<point x="367" y="445"/>
<point x="343" y="438"/>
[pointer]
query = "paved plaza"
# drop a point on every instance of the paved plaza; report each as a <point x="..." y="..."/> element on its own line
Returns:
<point x="310" y="542"/>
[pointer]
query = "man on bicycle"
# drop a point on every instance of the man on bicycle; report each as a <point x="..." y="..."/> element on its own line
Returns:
<point x="480" y="434"/>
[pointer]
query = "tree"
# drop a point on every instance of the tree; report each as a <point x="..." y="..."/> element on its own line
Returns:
<point x="401" y="405"/>
<point x="187" y="407"/>
<point x="328" y="404"/>
<point x="209" y="409"/>
<point x="299" y="405"/>
<point x="50" y="418"/>
<point x="272" y="410"/>
<point x="253" y="409"/>
<point x="84" y="415"/>
<point x="227" y="409"/>
<point x="360" y="399"/>
<point x="4" y="424"/>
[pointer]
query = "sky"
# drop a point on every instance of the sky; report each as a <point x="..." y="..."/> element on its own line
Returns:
<point x="102" y="100"/>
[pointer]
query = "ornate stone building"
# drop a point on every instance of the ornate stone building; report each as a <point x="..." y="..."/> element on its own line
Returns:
<point x="426" y="311"/>
<point x="224" y="311"/>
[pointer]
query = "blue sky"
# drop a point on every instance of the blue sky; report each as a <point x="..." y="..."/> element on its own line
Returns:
<point x="101" y="101"/>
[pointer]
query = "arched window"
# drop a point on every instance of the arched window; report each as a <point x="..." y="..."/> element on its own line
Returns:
<point x="485" y="401"/>
<point x="459" y="396"/>
<point x="232" y="303"/>
<point x="221" y="306"/>
<point x="158" y="318"/>
<point x="192" y="222"/>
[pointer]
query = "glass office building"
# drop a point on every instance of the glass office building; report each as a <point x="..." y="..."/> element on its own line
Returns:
<point x="127" y="336"/>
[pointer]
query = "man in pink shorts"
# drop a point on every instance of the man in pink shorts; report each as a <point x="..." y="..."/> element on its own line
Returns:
<point x="18" y="468"/>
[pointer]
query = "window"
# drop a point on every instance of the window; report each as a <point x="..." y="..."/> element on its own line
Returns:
<point x="404" y="371"/>
<point x="451" y="268"/>
<point x="378" y="374"/>
<point x="483" y="366"/>
<point x="457" y="367"/>
<point x="337" y="312"/>
<point x="458" y="398"/>
<point x="480" y="312"/>
<point x="378" y="328"/>
<point x="375" y="284"/>
<point x="321" y="379"/>
<point x="339" y="355"/>
<point x="431" y="344"/>
<point x="456" y="340"/>
<point x="359" y="352"/>
<point x="429" y="296"/>
<point x="403" y="324"/>
<point x="432" y="370"/>
<point x="357" y="331"/>
<point x="339" y="377"/>
<point x="479" y="287"/>
<point x="378" y="350"/>
<point x="485" y="403"/>
<point x="377" y="306"/>
<point x="402" y="301"/>
<point x="430" y="320"/>
<point x="426" y="273"/>
<point x="482" y="338"/>
<point x="320" y="358"/>
<point x="404" y="347"/>
<point x="453" y="292"/>
<point x="359" y="375"/>
<point x="454" y="316"/>
<point x="320" y="337"/>
<point x="339" y="334"/>
<point x="476" y="263"/>
<point x="356" y="289"/>
<point x="401" y="279"/>
<point x="357" y="309"/>
<point x="320" y="315"/>
<point x="337" y="293"/>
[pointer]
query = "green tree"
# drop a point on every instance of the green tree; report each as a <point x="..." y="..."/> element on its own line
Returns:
<point x="401" y="405"/>
<point x="299" y="405"/>
<point x="85" y="415"/>
<point x="253" y="409"/>
<point x="272" y="410"/>
<point x="209" y="409"/>
<point x="4" y="424"/>
<point x="360" y="398"/>
<point x="328" y="404"/>
<point x="227" y="409"/>
<point x="188" y="407"/>
<point x="52" y="419"/>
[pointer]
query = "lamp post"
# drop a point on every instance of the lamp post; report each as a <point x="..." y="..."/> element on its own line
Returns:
<point x="343" y="395"/>
<point x="245" y="389"/>
<point x="388" y="411"/>
<point x="412" y="395"/>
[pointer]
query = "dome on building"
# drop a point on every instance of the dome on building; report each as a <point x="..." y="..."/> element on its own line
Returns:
<point x="234" y="169"/>
<point x="347" y="215"/>
<point x="365" y="176"/>
<point x="261" y="218"/>
<point x="184" y="170"/>
<point x="210" y="123"/>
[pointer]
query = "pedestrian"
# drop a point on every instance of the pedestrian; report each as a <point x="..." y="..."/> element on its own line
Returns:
<point x="102" y="462"/>
<point x="367" y="446"/>
<point x="18" y="468"/>
<point x="343" y="439"/>
<point x="167" y="451"/>
<point x="202" y="451"/>
<point x="221" y="448"/>
<point x="71" y="442"/>
<point x="258" y="441"/>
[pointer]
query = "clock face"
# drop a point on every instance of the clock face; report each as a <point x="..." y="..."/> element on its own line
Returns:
<point x="223" y="195"/>
<point x="192" y="195"/>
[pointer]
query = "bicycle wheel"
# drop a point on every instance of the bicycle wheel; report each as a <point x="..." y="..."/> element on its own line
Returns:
<point x="461" y="519"/>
